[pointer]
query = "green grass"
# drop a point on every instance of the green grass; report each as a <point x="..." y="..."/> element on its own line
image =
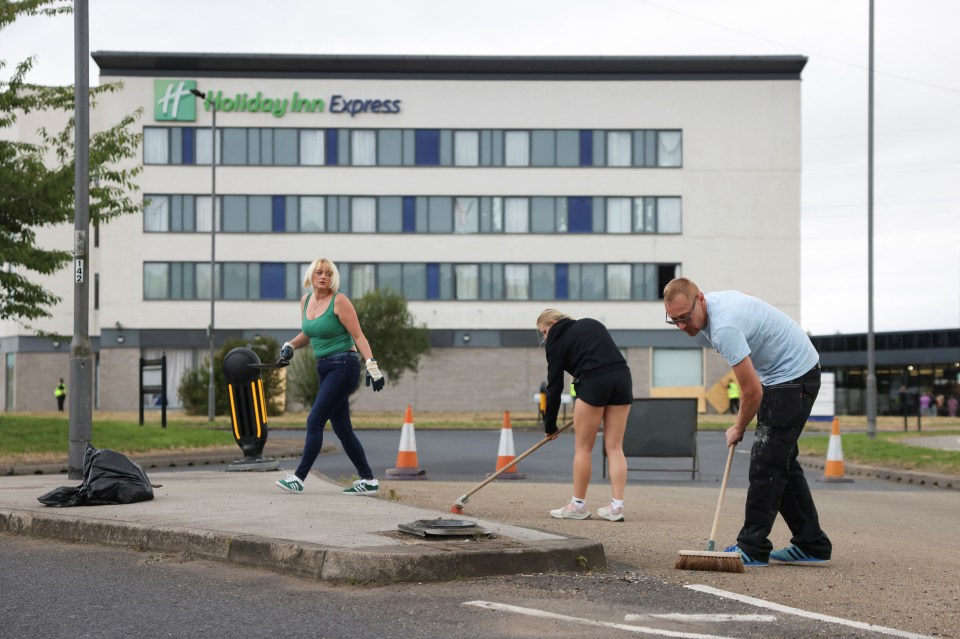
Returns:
<point x="887" y="451"/>
<point x="26" y="436"/>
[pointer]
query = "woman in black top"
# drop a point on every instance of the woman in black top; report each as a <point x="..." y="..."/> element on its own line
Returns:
<point x="585" y="349"/>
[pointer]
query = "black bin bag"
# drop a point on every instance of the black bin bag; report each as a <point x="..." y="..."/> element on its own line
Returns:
<point x="108" y="478"/>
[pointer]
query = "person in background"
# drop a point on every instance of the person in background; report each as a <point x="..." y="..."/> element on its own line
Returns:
<point x="925" y="401"/>
<point x="733" y="394"/>
<point x="542" y="406"/>
<point x="604" y="388"/>
<point x="778" y="370"/>
<point x="329" y="325"/>
<point x="952" y="406"/>
<point x="60" y="392"/>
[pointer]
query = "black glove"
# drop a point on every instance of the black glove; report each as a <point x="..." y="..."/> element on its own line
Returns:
<point x="374" y="376"/>
<point x="550" y="429"/>
<point x="286" y="354"/>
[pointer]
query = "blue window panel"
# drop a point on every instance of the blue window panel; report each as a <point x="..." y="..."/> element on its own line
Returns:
<point x="189" y="146"/>
<point x="272" y="281"/>
<point x="563" y="282"/>
<point x="580" y="214"/>
<point x="409" y="214"/>
<point x="433" y="281"/>
<point x="279" y="214"/>
<point x="428" y="147"/>
<point x="586" y="148"/>
<point x="331" y="148"/>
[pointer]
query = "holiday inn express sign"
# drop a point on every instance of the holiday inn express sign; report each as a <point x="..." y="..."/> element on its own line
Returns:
<point x="174" y="102"/>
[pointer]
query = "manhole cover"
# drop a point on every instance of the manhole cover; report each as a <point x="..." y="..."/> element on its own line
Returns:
<point x="443" y="528"/>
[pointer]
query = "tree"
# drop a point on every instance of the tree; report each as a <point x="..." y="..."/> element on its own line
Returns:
<point x="34" y="195"/>
<point x="387" y="324"/>
<point x="195" y="383"/>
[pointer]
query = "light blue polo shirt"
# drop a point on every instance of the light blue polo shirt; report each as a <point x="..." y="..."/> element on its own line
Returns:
<point x="739" y="325"/>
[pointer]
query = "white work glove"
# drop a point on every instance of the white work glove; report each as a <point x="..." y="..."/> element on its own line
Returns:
<point x="374" y="376"/>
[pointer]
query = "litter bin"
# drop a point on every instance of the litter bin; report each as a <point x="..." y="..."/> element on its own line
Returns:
<point x="248" y="409"/>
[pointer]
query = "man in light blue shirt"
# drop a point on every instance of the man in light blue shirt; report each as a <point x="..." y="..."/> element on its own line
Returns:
<point x="778" y="370"/>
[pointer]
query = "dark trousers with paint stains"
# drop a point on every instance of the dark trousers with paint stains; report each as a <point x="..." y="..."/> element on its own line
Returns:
<point x="777" y="484"/>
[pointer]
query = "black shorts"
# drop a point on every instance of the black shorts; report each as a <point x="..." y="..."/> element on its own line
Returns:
<point x="606" y="389"/>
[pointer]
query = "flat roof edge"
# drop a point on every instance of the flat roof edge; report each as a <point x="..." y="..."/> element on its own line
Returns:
<point x="133" y="63"/>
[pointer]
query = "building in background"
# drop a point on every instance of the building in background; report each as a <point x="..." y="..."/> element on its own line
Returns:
<point x="484" y="189"/>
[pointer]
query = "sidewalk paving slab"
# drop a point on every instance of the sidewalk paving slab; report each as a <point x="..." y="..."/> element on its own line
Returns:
<point x="321" y="534"/>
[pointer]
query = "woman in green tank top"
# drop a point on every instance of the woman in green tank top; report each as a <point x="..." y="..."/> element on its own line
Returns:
<point x="329" y="325"/>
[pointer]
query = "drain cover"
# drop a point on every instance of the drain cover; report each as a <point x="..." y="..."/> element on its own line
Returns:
<point x="443" y="528"/>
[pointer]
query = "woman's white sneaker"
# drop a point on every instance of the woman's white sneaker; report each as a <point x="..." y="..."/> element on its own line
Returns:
<point x="610" y="513"/>
<point x="570" y="512"/>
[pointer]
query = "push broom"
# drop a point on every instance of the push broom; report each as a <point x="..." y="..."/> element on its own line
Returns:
<point x="458" y="505"/>
<point x="709" y="559"/>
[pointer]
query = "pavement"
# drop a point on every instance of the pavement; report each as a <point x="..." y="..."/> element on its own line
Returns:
<point x="322" y="534"/>
<point x="243" y="518"/>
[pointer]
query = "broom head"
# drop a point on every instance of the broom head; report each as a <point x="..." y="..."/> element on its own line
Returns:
<point x="709" y="561"/>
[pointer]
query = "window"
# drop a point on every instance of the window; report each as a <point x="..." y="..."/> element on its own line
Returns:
<point x="362" y="280"/>
<point x="156" y="145"/>
<point x="440" y="214"/>
<point x="517" y="281"/>
<point x="390" y="147"/>
<point x="674" y="367"/>
<point x="618" y="282"/>
<point x="285" y="148"/>
<point x="618" y="148"/>
<point x="466" y="148"/>
<point x="544" y="151"/>
<point x="516" y="216"/>
<point x="363" y="215"/>
<point x="669" y="151"/>
<point x="517" y="148"/>
<point x="543" y="282"/>
<point x="467" y="281"/>
<point x="260" y="211"/>
<point x="311" y="147"/>
<point x="156" y="280"/>
<point x="312" y="214"/>
<point x="466" y="215"/>
<point x="234" y="146"/>
<point x="363" y="147"/>
<point x="427" y="147"/>
<point x="619" y="214"/>
<point x="391" y="216"/>
<point x="156" y="213"/>
<point x="568" y="148"/>
<point x="668" y="215"/>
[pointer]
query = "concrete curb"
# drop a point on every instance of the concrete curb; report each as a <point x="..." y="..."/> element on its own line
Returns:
<point x="227" y="455"/>
<point x="416" y="561"/>
<point x="934" y="480"/>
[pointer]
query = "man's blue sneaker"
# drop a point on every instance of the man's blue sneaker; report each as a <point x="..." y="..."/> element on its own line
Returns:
<point x="745" y="558"/>
<point x="793" y="555"/>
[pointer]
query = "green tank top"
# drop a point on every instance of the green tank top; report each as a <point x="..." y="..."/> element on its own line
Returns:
<point x="327" y="335"/>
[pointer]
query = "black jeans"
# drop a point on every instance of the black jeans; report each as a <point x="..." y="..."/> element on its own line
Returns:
<point x="777" y="483"/>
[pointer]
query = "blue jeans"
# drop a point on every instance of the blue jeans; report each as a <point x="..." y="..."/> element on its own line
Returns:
<point x="777" y="484"/>
<point x="339" y="375"/>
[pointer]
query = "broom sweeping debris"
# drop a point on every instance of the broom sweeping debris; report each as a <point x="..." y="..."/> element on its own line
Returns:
<point x="710" y="560"/>
<point x="457" y="507"/>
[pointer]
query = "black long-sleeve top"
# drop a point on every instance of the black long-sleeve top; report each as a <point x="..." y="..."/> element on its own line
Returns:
<point x="583" y="348"/>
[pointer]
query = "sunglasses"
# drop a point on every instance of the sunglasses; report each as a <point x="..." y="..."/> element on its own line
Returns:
<point x="686" y="318"/>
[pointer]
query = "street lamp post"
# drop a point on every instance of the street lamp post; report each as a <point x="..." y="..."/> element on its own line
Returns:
<point x="211" y="394"/>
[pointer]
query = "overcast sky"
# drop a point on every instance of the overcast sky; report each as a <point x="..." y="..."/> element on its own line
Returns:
<point x="917" y="103"/>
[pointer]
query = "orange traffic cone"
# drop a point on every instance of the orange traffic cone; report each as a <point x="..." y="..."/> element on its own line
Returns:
<point x="833" y="471"/>
<point x="407" y="467"/>
<point x="505" y="454"/>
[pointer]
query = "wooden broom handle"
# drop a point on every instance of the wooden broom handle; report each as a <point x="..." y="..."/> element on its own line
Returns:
<point x="723" y="489"/>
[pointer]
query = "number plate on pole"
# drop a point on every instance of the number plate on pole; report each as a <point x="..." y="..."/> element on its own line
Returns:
<point x="78" y="271"/>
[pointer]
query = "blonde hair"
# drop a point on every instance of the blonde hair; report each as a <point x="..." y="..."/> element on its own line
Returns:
<point x="551" y="315"/>
<point x="326" y="265"/>
<point x="679" y="286"/>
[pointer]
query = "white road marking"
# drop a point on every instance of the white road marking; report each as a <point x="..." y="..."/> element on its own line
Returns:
<point x="542" y="614"/>
<point x="804" y="613"/>
<point x="679" y="616"/>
